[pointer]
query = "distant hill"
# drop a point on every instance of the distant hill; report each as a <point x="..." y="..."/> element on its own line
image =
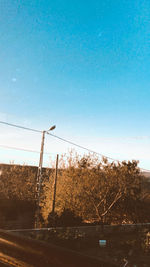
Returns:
<point x="147" y="175"/>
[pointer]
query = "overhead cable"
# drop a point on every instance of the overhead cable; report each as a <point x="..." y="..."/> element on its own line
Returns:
<point x="89" y="150"/>
<point x="21" y="127"/>
<point x="82" y="147"/>
<point x="67" y="141"/>
<point x="24" y="149"/>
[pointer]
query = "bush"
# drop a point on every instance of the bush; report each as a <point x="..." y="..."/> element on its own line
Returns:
<point x="67" y="218"/>
<point x="53" y="219"/>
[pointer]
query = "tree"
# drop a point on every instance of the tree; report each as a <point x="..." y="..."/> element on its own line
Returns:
<point x="18" y="182"/>
<point x="18" y="195"/>
<point x="98" y="191"/>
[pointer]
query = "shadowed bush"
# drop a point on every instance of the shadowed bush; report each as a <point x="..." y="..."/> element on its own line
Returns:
<point x="67" y="218"/>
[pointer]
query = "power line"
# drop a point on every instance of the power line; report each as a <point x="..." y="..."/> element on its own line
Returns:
<point x="24" y="149"/>
<point x="89" y="150"/>
<point x="18" y="148"/>
<point x="82" y="147"/>
<point x="64" y="140"/>
<point x="60" y="138"/>
<point x="21" y="127"/>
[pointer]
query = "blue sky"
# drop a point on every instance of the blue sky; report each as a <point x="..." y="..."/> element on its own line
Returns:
<point x="82" y="65"/>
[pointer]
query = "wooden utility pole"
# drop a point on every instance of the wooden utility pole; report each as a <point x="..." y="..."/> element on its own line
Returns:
<point x="39" y="180"/>
<point x="55" y="185"/>
<point x="39" y="174"/>
<point x="39" y="177"/>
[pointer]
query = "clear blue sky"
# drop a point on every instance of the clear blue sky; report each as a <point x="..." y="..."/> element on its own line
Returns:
<point x="82" y="65"/>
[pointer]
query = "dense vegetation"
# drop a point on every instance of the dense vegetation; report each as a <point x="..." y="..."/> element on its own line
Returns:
<point x="88" y="191"/>
<point x="97" y="192"/>
<point x="17" y="195"/>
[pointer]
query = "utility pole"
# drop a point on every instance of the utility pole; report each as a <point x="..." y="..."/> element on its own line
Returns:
<point x="55" y="185"/>
<point x="39" y="177"/>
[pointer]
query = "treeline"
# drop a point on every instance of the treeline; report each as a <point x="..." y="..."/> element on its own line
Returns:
<point x="17" y="196"/>
<point x="97" y="192"/>
<point x="88" y="191"/>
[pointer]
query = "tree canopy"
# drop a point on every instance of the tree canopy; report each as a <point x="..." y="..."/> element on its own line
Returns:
<point x="97" y="191"/>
